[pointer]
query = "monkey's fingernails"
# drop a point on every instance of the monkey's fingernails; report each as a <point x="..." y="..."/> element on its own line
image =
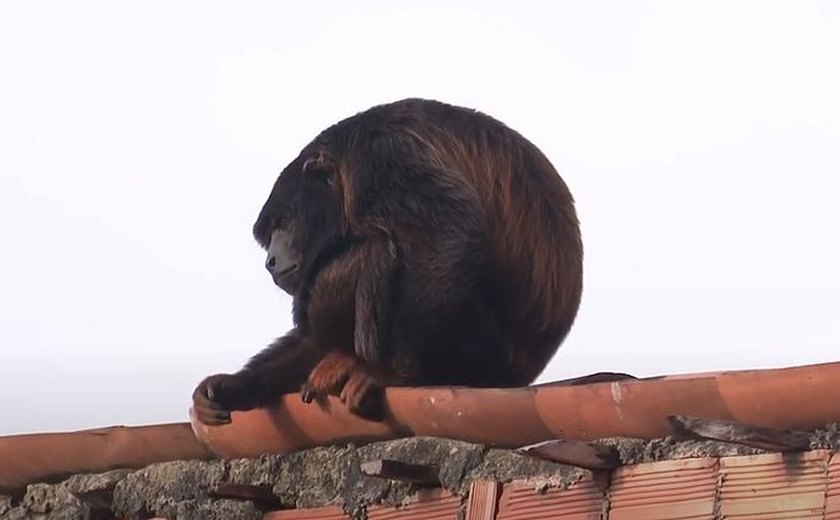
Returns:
<point x="307" y="393"/>
<point x="213" y="417"/>
<point x="220" y="417"/>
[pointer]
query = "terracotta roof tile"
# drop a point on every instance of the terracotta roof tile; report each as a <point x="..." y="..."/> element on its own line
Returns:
<point x="45" y="456"/>
<point x="672" y="489"/>
<point x="774" y="485"/>
<point x="780" y="398"/>
<point x="581" y="501"/>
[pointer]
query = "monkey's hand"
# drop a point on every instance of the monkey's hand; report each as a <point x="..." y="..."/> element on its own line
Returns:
<point x="217" y="395"/>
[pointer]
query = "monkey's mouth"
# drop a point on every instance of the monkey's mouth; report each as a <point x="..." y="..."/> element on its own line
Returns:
<point x="287" y="279"/>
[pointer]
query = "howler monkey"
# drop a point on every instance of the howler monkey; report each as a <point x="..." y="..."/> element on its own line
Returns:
<point x="423" y="244"/>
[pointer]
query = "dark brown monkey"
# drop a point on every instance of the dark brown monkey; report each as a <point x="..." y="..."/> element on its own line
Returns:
<point x="424" y="244"/>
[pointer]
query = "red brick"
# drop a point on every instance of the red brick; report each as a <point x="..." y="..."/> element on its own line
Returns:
<point x="581" y="501"/>
<point x="774" y="485"/>
<point x="433" y="504"/>
<point x="484" y="500"/>
<point x="664" y="490"/>
<point x="317" y="513"/>
<point x="832" y="495"/>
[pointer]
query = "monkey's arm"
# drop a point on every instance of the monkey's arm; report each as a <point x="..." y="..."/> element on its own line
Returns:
<point x="280" y="368"/>
<point x="356" y="373"/>
<point x="374" y="308"/>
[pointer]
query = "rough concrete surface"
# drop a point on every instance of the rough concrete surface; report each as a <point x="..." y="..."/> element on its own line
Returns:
<point x="324" y="476"/>
<point x="311" y="478"/>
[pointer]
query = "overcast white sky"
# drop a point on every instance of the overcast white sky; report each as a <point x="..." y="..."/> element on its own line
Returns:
<point x="139" y="140"/>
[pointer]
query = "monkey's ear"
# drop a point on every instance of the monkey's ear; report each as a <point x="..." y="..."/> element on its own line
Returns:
<point x="320" y="166"/>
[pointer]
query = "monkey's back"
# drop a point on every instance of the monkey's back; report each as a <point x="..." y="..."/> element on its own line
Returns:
<point x="535" y="253"/>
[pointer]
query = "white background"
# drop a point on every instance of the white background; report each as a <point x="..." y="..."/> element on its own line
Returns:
<point x="138" y="141"/>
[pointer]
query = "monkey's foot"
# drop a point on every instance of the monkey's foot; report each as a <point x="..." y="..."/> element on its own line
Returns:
<point x="353" y="381"/>
<point x="329" y="376"/>
<point x="364" y="394"/>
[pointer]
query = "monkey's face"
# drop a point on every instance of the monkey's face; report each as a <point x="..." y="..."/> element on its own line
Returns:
<point x="302" y="216"/>
<point x="284" y="260"/>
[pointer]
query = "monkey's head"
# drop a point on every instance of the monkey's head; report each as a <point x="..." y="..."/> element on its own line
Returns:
<point x="303" y="218"/>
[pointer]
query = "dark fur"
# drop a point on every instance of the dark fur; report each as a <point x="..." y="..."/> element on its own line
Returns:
<point x="437" y="247"/>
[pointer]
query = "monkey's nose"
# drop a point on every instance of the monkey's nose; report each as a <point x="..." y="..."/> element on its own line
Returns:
<point x="270" y="262"/>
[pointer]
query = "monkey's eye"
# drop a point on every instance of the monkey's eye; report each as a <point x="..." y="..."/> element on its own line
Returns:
<point x="321" y="168"/>
<point x="314" y="163"/>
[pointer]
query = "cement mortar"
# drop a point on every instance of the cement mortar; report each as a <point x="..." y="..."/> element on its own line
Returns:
<point x="637" y="451"/>
<point x="826" y="439"/>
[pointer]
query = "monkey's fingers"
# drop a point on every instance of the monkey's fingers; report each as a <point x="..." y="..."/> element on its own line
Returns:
<point x="212" y="418"/>
<point x="329" y="376"/>
<point x="364" y="395"/>
<point x="210" y="412"/>
<point x="228" y="391"/>
<point x="206" y="409"/>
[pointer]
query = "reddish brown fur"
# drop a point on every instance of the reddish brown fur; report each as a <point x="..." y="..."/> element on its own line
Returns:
<point x="547" y="293"/>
